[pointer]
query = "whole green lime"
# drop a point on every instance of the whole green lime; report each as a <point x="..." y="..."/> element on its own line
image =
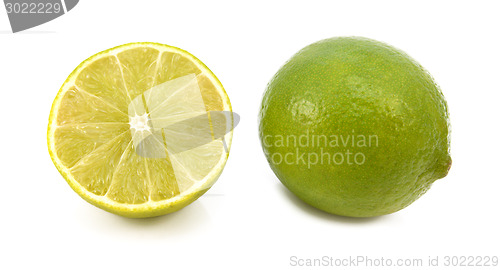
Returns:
<point x="355" y="127"/>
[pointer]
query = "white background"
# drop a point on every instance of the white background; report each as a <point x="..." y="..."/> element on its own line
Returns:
<point x="248" y="220"/>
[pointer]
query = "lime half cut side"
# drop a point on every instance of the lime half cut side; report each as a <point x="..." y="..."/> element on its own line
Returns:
<point x="141" y="130"/>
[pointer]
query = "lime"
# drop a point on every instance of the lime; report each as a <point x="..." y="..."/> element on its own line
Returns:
<point x="126" y="126"/>
<point x="355" y="127"/>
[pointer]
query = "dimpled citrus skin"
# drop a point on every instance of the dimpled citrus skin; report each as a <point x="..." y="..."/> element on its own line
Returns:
<point x="357" y="86"/>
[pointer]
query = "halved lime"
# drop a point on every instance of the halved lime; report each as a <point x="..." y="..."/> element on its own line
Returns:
<point x="132" y="129"/>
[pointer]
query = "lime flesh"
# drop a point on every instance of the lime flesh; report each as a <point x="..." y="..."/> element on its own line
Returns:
<point x="108" y="129"/>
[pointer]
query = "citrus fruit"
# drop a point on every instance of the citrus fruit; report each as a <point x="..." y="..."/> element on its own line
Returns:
<point x="132" y="129"/>
<point x="355" y="127"/>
